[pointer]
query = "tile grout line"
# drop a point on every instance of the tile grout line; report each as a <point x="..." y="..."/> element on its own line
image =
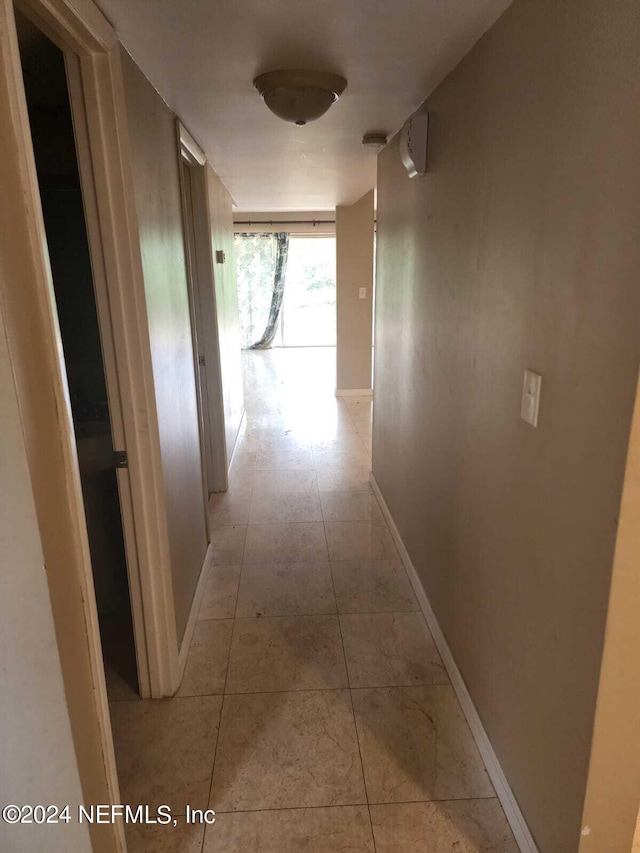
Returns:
<point x="303" y="615"/>
<point x="423" y="684"/>
<point x="353" y="713"/>
<point x="348" y="805"/>
<point x="355" y="724"/>
<point x="226" y="674"/>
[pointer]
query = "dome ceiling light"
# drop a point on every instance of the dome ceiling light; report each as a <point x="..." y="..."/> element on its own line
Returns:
<point x="299" y="96"/>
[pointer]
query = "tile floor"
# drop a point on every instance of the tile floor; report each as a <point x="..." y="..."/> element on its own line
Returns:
<point x="315" y="713"/>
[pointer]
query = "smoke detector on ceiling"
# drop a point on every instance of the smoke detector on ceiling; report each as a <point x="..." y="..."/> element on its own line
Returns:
<point x="374" y="140"/>
<point x="299" y="96"/>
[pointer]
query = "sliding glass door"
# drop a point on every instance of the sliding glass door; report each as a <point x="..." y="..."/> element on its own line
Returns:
<point x="308" y="314"/>
<point x="309" y="308"/>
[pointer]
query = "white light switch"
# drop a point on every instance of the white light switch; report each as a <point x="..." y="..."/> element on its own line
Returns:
<point x="531" y="397"/>
<point x="362" y="293"/>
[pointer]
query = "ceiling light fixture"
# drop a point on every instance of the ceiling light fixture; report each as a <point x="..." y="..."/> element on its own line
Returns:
<point x="299" y="96"/>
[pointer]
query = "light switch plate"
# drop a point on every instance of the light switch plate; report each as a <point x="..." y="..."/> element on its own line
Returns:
<point x="531" y="397"/>
<point x="362" y="293"/>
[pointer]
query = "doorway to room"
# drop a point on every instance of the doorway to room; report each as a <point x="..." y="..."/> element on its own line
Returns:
<point x="85" y="332"/>
<point x="203" y="310"/>
<point x="286" y="289"/>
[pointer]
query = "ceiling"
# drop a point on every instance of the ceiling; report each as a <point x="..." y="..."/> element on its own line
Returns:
<point x="202" y="56"/>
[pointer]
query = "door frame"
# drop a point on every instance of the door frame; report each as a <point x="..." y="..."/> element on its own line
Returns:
<point x="26" y="291"/>
<point x="109" y="357"/>
<point x="204" y="314"/>
<point x="97" y="94"/>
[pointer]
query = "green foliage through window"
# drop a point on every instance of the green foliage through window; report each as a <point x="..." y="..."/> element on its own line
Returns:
<point x="308" y="315"/>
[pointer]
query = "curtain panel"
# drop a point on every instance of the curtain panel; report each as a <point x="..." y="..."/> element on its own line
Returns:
<point x="261" y="263"/>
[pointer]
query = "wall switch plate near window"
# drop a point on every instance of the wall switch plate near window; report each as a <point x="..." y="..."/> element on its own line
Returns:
<point x="362" y="293"/>
<point x="531" y="397"/>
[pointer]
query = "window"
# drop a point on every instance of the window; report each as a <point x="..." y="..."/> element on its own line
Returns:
<point x="309" y="308"/>
<point x="308" y="314"/>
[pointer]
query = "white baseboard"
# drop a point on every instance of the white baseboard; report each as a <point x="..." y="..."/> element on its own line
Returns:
<point x="354" y="392"/>
<point x="185" y="645"/>
<point x="518" y="825"/>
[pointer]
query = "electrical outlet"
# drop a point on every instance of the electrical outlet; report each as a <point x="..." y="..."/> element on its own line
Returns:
<point x="531" y="397"/>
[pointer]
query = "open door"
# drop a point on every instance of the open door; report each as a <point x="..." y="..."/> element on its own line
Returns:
<point x="204" y="320"/>
<point x="66" y="185"/>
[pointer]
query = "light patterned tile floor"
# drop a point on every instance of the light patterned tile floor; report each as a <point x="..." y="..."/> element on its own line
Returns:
<point x="315" y="709"/>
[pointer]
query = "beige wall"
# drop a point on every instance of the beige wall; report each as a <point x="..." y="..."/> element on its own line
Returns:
<point x="38" y="758"/>
<point x="518" y="249"/>
<point x="157" y="188"/>
<point x="226" y="308"/>
<point x="354" y="269"/>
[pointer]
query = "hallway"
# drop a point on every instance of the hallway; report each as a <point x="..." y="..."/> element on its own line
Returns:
<point x="315" y="713"/>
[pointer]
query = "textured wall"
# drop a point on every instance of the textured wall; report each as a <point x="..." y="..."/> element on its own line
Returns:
<point x="518" y="249"/>
<point x="226" y="308"/>
<point x="157" y="188"/>
<point x="354" y="269"/>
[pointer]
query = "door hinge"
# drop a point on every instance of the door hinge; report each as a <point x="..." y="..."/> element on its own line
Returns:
<point x="120" y="459"/>
<point x="201" y="361"/>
